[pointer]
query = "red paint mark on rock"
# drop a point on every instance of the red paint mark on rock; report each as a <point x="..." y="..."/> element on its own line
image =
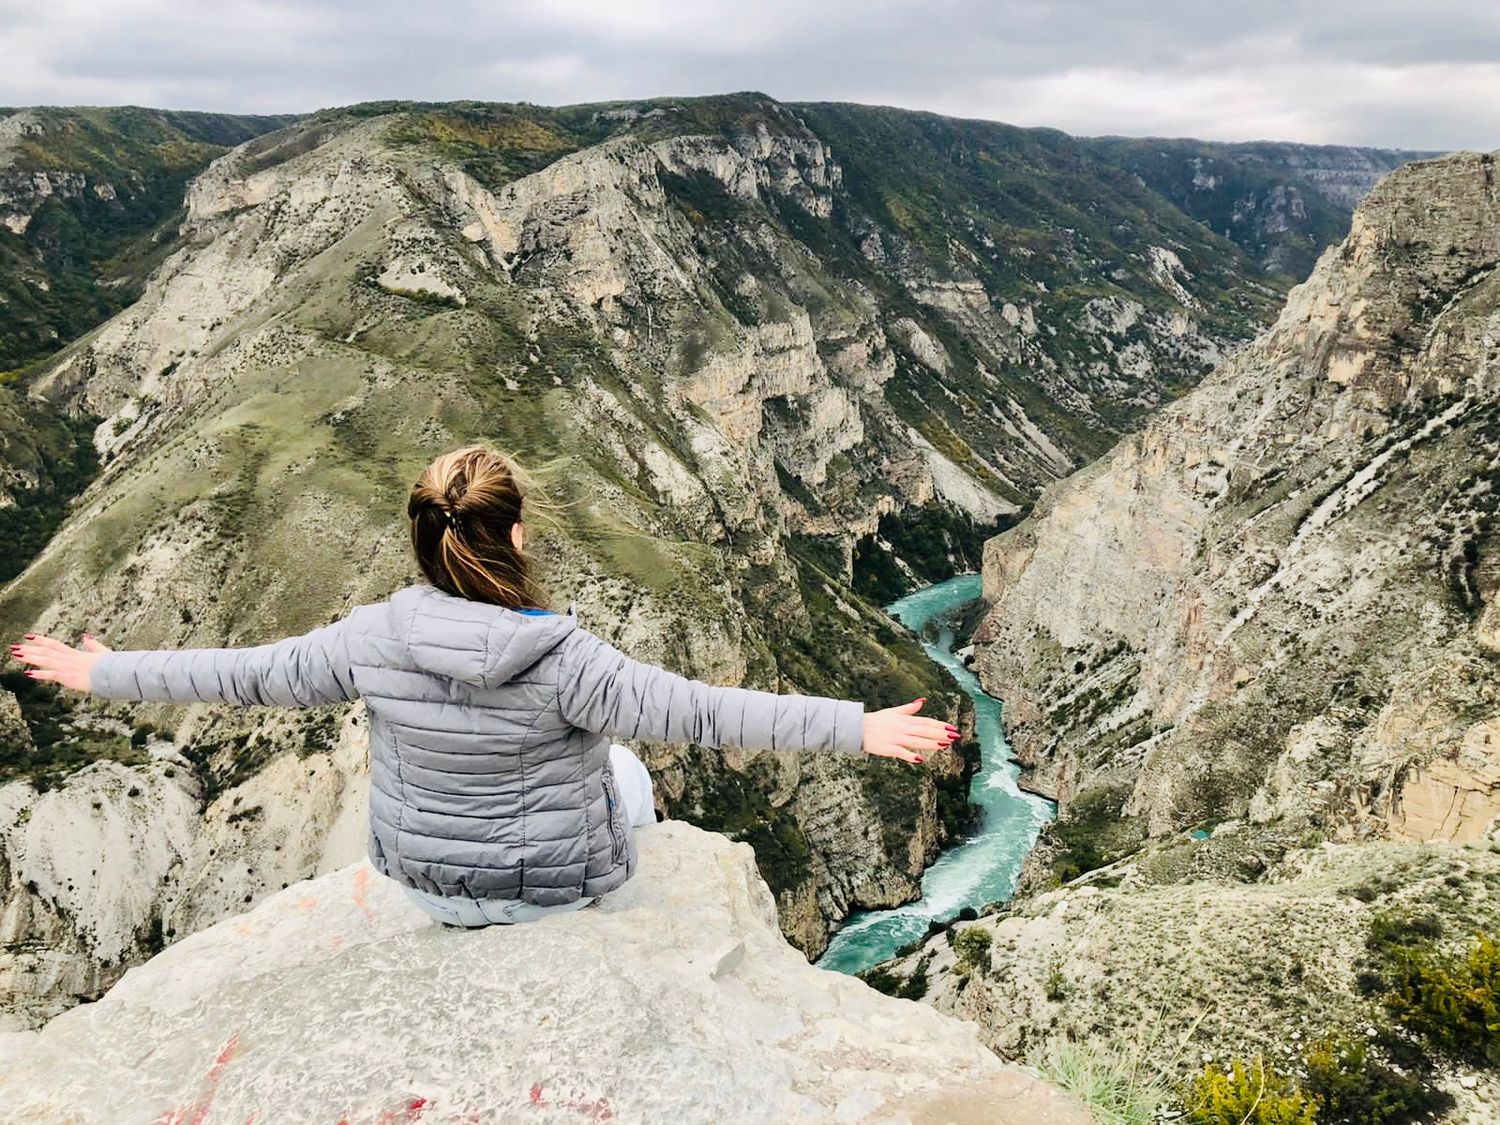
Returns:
<point x="361" y="884"/>
<point x="411" y="1111"/>
<point x="196" y="1111"/>
<point x="595" y="1109"/>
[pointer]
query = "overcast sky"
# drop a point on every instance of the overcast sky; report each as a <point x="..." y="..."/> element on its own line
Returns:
<point x="1414" y="75"/>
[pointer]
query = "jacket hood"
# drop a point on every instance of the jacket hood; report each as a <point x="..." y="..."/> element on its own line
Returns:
<point x="474" y="642"/>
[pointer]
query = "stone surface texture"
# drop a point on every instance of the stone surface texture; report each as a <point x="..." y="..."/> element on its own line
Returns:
<point x="675" y="998"/>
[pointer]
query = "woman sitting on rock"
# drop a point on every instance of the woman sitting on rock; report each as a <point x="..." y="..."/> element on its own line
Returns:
<point x="496" y="794"/>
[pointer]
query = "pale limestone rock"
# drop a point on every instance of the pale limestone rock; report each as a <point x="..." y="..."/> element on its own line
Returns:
<point x="97" y="863"/>
<point x="922" y="346"/>
<point x="1272" y="535"/>
<point x="1200" y="964"/>
<point x="1456" y="798"/>
<point x="675" y="998"/>
<point x="14" y="734"/>
<point x="402" y="277"/>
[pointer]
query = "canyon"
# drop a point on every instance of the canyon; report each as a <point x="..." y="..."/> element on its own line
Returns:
<point x="747" y="344"/>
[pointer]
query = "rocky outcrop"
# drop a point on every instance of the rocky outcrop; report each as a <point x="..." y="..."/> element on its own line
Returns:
<point x="673" y="998"/>
<point x="106" y="868"/>
<point x="1272" y="603"/>
<point x="15" y="735"/>
<point x="1179" y="962"/>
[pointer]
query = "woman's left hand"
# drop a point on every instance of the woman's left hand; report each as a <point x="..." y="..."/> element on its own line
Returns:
<point x="60" y="663"/>
<point x="899" y="732"/>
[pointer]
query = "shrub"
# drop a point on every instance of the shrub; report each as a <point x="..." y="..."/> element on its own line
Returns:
<point x="1247" y="1094"/>
<point x="972" y="947"/>
<point x="1451" y="1000"/>
<point x="893" y="983"/>
<point x="916" y="985"/>
<point x="1057" y="986"/>
<point x="882" y="979"/>
<point x="1354" y="1089"/>
<point x="1391" y="931"/>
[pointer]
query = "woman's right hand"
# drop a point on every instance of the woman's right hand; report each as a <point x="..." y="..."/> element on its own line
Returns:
<point x="898" y="732"/>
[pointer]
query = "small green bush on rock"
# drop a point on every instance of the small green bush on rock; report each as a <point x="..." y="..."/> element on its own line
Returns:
<point x="1354" y="1089"/>
<point x="972" y="947"/>
<point x="1247" y="1094"/>
<point x="1452" y="1001"/>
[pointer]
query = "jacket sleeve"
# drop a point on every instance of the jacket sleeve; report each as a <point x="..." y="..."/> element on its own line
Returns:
<point x="602" y="690"/>
<point x="306" y="671"/>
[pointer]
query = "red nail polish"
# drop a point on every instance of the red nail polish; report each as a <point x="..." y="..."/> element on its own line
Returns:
<point x="920" y="761"/>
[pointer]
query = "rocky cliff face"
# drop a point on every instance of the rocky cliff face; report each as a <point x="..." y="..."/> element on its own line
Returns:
<point x="1266" y="622"/>
<point x="1282" y="204"/>
<point x="1276" y="601"/>
<point x="87" y="200"/>
<point x="84" y="194"/>
<point x="674" y="998"/>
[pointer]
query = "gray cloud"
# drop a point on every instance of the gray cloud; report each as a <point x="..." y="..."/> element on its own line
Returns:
<point x="1378" y="72"/>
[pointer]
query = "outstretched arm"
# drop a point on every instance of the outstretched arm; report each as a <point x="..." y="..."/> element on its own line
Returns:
<point x="305" y="671"/>
<point x="603" y="690"/>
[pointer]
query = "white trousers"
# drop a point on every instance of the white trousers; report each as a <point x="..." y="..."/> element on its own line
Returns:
<point x="632" y="782"/>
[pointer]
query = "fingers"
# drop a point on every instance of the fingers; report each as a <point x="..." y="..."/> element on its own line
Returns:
<point x="929" y="733"/>
<point x="50" y="643"/>
<point x="42" y="657"/>
<point x="897" y="752"/>
<point x="92" y="645"/>
<point x="915" y="742"/>
<point x="910" y="708"/>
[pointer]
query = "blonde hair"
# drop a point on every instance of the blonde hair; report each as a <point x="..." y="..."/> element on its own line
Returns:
<point x="462" y="510"/>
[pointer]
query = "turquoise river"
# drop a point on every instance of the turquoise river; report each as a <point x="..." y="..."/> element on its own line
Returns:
<point x="982" y="867"/>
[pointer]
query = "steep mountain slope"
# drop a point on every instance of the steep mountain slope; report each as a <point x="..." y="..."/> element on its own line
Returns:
<point x="83" y="196"/>
<point x="89" y="200"/>
<point x="1280" y="203"/>
<point x="737" y="358"/>
<point x="1277" y="600"/>
<point x="1253" y="651"/>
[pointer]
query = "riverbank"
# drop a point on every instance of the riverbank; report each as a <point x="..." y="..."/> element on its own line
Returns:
<point x="984" y="866"/>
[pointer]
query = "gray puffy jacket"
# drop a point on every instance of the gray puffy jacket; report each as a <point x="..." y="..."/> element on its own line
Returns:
<point x="489" y="733"/>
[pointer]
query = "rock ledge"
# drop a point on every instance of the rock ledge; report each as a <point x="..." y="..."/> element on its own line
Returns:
<point x="675" y="999"/>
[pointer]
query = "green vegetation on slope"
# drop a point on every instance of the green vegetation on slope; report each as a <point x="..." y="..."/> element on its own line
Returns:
<point x="59" y="454"/>
<point x="115" y="179"/>
<point x="1263" y="197"/>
